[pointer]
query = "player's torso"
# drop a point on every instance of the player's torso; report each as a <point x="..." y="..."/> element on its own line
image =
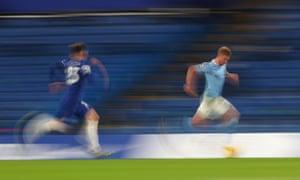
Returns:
<point x="76" y="71"/>
<point x="76" y="74"/>
<point x="215" y="78"/>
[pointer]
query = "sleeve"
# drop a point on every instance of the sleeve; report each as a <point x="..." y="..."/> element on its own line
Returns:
<point x="202" y="68"/>
<point x="56" y="73"/>
<point x="92" y="76"/>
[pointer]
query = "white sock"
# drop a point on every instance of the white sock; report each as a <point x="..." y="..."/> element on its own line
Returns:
<point x="43" y="124"/>
<point x="46" y="123"/>
<point x="230" y="128"/>
<point x="55" y="125"/>
<point x="92" y="135"/>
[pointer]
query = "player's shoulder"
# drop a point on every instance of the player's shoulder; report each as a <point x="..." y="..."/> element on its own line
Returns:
<point x="60" y="63"/>
<point x="205" y="65"/>
<point x="64" y="60"/>
<point x="70" y="62"/>
<point x="202" y="67"/>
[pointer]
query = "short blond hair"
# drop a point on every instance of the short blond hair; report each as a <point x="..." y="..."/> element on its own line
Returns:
<point x="224" y="50"/>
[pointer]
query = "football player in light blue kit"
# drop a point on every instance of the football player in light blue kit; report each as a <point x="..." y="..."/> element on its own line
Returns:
<point x="213" y="106"/>
<point x="71" y="75"/>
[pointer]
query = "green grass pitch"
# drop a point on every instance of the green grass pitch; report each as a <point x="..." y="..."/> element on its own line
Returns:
<point x="154" y="169"/>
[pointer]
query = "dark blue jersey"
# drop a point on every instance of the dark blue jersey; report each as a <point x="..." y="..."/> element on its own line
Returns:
<point x="75" y="74"/>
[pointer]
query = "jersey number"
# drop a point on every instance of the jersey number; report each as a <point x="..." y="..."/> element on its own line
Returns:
<point x="72" y="75"/>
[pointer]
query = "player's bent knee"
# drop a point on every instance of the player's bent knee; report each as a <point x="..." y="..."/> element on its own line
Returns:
<point x="234" y="113"/>
<point x="92" y="115"/>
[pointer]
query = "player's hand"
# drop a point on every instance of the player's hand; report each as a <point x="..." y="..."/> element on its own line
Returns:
<point x="234" y="79"/>
<point x="56" y="87"/>
<point x="190" y="91"/>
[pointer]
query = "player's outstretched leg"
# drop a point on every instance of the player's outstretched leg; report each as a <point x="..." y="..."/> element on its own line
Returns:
<point x="40" y="124"/>
<point x="230" y="119"/>
<point x="195" y="124"/>
<point x="92" y="120"/>
<point x="229" y="122"/>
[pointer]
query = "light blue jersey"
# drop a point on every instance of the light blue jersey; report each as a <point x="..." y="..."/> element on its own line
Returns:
<point x="215" y="77"/>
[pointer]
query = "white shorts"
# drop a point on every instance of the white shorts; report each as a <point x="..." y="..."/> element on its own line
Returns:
<point x="213" y="108"/>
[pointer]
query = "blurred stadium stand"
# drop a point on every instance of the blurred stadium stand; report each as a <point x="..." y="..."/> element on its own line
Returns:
<point x="131" y="47"/>
<point x="147" y="57"/>
<point x="265" y="54"/>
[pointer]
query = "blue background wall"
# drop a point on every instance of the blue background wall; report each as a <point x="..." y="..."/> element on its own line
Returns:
<point x="130" y="47"/>
<point x="147" y="56"/>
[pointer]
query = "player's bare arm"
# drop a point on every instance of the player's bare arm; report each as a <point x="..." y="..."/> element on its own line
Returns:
<point x="190" y="86"/>
<point x="232" y="78"/>
<point x="98" y="63"/>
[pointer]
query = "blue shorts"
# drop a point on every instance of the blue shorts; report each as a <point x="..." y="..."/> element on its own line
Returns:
<point x="78" y="109"/>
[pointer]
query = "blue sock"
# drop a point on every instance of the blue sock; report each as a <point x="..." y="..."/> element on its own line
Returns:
<point x="228" y="127"/>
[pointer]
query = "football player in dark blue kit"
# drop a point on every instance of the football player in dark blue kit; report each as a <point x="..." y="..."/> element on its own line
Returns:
<point x="71" y="75"/>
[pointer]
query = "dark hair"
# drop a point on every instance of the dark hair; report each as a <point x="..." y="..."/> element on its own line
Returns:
<point x="77" y="47"/>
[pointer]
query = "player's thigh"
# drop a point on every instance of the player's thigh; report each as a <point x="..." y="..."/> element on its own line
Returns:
<point x="66" y="109"/>
<point x="204" y="111"/>
<point x="219" y="107"/>
<point x="231" y="113"/>
<point x="199" y="119"/>
<point x="202" y="114"/>
<point x="85" y="112"/>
